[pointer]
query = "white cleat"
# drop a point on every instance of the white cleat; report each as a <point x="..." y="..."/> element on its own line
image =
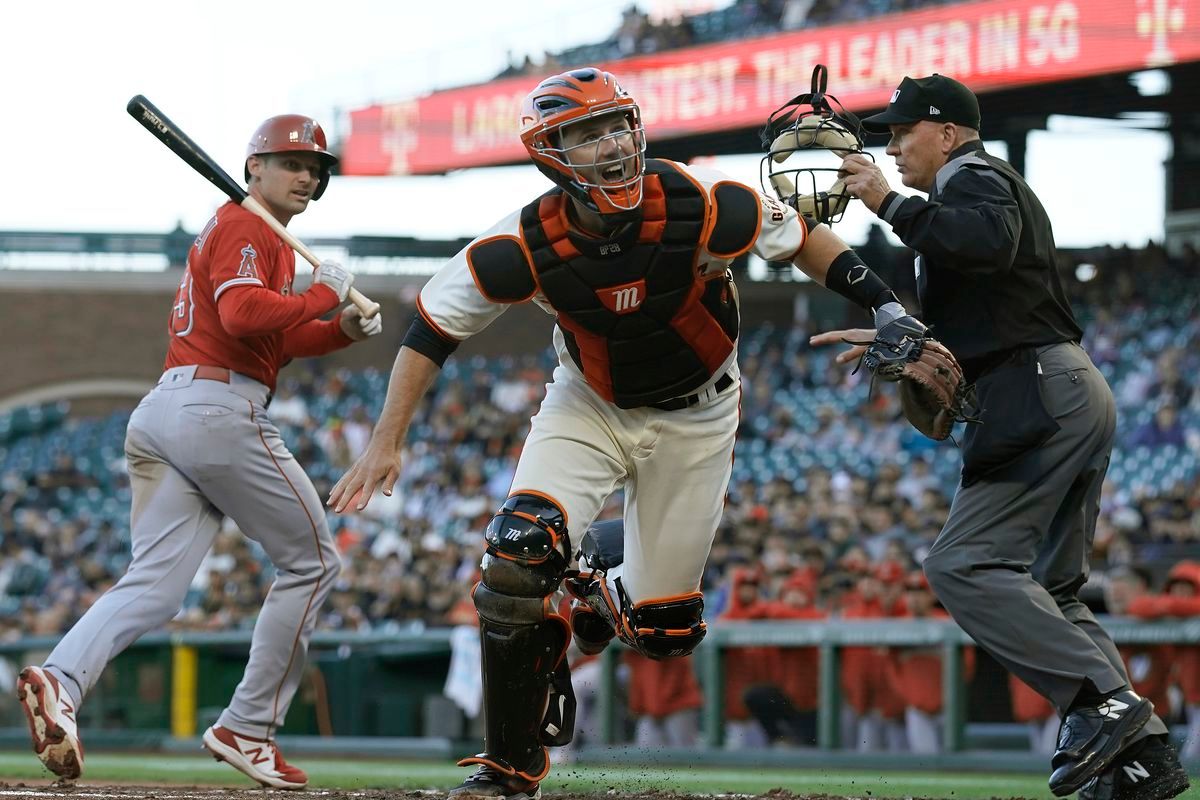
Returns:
<point x="52" y="724"/>
<point x="260" y="759"/>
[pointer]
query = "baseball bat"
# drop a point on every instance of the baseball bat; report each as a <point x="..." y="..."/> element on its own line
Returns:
<point x="167" y="132"/>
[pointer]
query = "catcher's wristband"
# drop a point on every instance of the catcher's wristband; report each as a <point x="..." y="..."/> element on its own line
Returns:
<point x="854" y="280"/>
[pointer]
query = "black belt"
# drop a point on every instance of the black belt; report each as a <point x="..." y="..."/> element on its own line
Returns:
<point x="676" y="403"/>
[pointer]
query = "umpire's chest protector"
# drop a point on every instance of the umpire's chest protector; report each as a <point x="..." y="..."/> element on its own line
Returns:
<point x="640" y="316"/>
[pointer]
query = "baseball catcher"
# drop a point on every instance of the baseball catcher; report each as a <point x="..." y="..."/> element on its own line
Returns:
<point x="632" y="256"/>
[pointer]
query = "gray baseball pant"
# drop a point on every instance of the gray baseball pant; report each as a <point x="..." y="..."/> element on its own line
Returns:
<point x="198" y="450"/>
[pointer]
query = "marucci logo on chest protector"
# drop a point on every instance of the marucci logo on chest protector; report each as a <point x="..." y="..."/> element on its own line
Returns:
<point x="625" y="298"/>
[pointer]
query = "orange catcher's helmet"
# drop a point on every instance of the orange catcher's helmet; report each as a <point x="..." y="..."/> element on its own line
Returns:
<point x="571" y="97"/>
<point x="289" y="132"/>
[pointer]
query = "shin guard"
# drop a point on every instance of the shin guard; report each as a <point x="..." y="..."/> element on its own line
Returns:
<point x="527" y="697"/>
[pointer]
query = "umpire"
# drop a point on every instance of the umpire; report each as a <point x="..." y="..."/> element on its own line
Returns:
<point x="1014" y="552"/>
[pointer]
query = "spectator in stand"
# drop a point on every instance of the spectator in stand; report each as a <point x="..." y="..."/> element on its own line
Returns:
<point x="872" y="711"/>
<point x="795" y="14"/>
<point x="1036" y="713"/>
<point x="918" y="480"/>
<point x="665" y="699"/>
<point x="787" y="708"/>
<point x="1170" y="387"/>
<point x="1180" y="600"/>
<point x="1150" y="666"/>
<point x="64" y="475"/>
<point x="746" y="667"/>
<point x="916" y="672"/>
<point x="1163" y="429"/>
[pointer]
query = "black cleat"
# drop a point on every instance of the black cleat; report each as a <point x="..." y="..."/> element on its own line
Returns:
<point x="1091" y="737"/>
<point x="489" y="783"/>
<point x="1147" y="770"/>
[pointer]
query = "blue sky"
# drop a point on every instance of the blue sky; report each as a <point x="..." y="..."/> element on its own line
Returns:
<point x="76" y="161"/>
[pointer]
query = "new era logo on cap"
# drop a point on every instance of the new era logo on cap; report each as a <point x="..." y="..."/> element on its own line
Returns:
<point x="936" y="98"/>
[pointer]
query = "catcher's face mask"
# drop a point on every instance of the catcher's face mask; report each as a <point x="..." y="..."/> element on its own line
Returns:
<point x="808" y="123"/>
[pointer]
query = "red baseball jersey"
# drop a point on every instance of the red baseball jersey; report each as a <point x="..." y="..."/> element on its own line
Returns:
<point x="235" y="306"/>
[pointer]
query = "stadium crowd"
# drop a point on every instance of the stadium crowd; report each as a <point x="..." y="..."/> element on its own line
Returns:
<point x="833" y="503"/>
<point x="640" y="34"/>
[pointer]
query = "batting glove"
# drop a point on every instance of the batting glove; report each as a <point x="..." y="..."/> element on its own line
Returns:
<point x="372" y="326"/>
<point x="336" y="277"/>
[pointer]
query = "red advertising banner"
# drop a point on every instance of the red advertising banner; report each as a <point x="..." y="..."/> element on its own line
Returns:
<point x="987" y="45"/>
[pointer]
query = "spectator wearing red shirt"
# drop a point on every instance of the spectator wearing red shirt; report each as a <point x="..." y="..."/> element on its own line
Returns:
<point x="787" y="709"/>
<point x="872" y="711"/>
<point x="1037" y="713"/>
<point x="746" y="667"/>
<point x="1181" y="600"/>
<point x="916" y="672"/>
<point x="665" y="698"/>
<point x="1150" y="666"/>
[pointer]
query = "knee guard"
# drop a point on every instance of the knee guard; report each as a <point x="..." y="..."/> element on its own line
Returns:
<point x="664" y="627"/>
<point x="528" y="549"/>
<point x="527" y="695"/>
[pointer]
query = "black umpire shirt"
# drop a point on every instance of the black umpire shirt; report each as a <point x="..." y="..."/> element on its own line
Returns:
<point x="987" y="267"/>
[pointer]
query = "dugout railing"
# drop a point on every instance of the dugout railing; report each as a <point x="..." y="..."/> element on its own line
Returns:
<point x="178" y="668"/>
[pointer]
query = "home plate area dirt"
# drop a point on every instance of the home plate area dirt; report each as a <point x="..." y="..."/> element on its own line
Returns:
<point x="23" y="791"/>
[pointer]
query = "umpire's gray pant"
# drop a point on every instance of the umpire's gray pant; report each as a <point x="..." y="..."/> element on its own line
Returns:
<point x="1014" y="552"/>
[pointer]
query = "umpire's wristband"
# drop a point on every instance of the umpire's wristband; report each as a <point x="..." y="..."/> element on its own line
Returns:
<point x="854" y="280"/>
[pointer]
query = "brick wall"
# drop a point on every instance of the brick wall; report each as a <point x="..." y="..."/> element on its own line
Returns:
<point x="114" y="327"/>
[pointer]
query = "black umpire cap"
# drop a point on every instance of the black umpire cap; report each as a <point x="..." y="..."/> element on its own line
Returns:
<point x="935" y="98"/>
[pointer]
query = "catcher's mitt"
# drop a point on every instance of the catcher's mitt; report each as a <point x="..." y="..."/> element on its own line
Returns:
<point x="933" y="393"/>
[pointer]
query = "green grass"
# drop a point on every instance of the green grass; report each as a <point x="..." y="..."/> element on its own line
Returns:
<point x="363" y="774"/>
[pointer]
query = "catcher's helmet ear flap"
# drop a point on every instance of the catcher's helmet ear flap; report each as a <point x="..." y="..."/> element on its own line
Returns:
<point x="292" y="132"/>
<point x="603" y="171"/>
<point x="809" y="123"/>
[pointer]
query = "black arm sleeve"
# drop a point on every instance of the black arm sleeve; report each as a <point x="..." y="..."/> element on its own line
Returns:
<point x="854" y="280"/>
<point x="974" y="226"/>
<point x="428" y="342"/>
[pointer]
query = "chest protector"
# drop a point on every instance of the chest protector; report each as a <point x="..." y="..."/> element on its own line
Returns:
<point x="639" y="320"/>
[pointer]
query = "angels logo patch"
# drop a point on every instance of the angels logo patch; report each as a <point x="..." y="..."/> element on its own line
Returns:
<point x="249" y="266"/>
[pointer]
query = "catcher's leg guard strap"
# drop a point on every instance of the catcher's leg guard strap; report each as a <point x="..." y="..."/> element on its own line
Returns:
<point x="601" y="548"/>
<point x="662" y="627"/>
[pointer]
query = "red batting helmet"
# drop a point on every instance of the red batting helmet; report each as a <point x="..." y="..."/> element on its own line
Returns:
<point x="570" y="97"/>
<point x="292" y="132"/>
